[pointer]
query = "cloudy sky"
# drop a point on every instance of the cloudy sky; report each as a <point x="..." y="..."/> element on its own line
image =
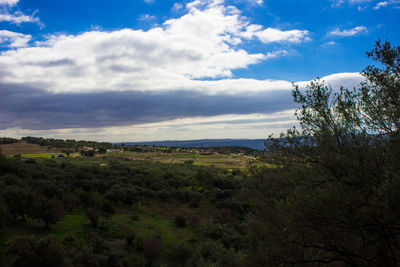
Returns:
<point x="141" y="70"/>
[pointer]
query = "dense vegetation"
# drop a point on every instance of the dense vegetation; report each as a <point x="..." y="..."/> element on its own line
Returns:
<point x="331" y="197"/>
<point x="41" y="193"/>
<point x="65" y="143"/>
<point x="335" y="200"/>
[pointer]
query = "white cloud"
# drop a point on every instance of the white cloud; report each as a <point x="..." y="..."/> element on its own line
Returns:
<point x="149" y="1"/>
<point x="350" y="32"/>
<point x="364" y="4"/>
<point x="8" y="2"/>
<point x="177" y="6"/>
<point x="359" y="1"/>
<point x="338" y="3"/>
<point x="14" y="39"/>
<point x="346" y="80"/>
<point x="278" y="53"/>
<point x="381" y="4"/>
<point x="147" y="17"/>
<point x="271" y="35"/>
<point x="258" y="2"/>
<point x="329" y="43"/>
<point x="18" y="18"/>
<point x="200" y="44"/>
<point x="388" y="3"/>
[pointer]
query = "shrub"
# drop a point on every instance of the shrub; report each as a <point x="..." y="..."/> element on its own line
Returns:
<point x="30" y="161"/>
<point x="179" y="254"/>
<point x="129" y="240"/>
<point x="139" y="243"/>
<point x="134" y="217"/>
<point x="180" y="221"/>
<point x="31" y="251"/>
<point x="151" y="250"/>
<point x="93" y="216"/>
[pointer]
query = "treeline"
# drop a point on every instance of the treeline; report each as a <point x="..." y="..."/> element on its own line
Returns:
<point x="216" y="150"/>
<point x="101" y="147"/>
<point x="8" y="140"/>
<point x="60" y="143"/>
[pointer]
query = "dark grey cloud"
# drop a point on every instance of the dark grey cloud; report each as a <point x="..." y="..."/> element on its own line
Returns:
<point x="30" y="108"/>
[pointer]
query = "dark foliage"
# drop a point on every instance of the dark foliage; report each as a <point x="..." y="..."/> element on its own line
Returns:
<point x="332" y="198"/>
<point x="151" y="250"/>
<point x="180" y="221"/>
<point x="31" y="251"/>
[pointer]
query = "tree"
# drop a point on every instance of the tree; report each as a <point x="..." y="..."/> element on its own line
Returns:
<point x="102" y="150"/>
<point x="93" y="215"/>
<point x="88" y="153"/>
<point x="18" y="200"/>
<point x="334" y="197"/>
<point x="50" y="211"/>
<point x="95" y="252"/>
<point x="31" y="251"/>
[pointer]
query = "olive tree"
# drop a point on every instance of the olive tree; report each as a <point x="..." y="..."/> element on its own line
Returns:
<point x="333" y="198"/>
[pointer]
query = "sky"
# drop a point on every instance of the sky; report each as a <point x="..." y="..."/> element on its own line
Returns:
<point x="147" y="70"/>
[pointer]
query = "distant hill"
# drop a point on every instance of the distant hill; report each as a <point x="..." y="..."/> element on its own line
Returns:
<point x="251" y="143"/>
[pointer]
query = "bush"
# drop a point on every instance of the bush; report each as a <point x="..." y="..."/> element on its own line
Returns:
<point x="139" y="243"/>
<point x="151" y="250"/>
<point x="180" y="221"/>
<point x="30" y="161"/>
<point x="129" y="240"/>
<point x="134" y="217"/>
<point x="31" y="251"/>
<point x="93" y="216"/>
<point x="179" y="254"/>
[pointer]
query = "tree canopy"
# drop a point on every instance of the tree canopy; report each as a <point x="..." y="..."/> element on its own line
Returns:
<point x="333" y="199"/>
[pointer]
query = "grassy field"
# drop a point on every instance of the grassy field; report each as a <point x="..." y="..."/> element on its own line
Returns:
<point x="226" y="161"/>
<point x="25" y="148"/>
<point x="150" y="221"/>
<point x="43" y="155"/>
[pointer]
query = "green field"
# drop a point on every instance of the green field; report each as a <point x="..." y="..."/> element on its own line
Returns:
<point x="74" y="227"/>
<point x="43" y="155"/>
<point x="226" y="161"/>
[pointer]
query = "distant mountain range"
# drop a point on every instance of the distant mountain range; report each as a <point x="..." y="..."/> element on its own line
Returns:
<point x="251" y="143"/>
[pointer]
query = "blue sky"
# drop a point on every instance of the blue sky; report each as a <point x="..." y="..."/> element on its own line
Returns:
<point x="155" y="70"/>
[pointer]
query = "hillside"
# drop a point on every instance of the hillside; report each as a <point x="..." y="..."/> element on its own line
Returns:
<point x="26" y="148"/>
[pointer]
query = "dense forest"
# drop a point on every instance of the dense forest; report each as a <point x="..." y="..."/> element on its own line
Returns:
<point x="328" y="194"/>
